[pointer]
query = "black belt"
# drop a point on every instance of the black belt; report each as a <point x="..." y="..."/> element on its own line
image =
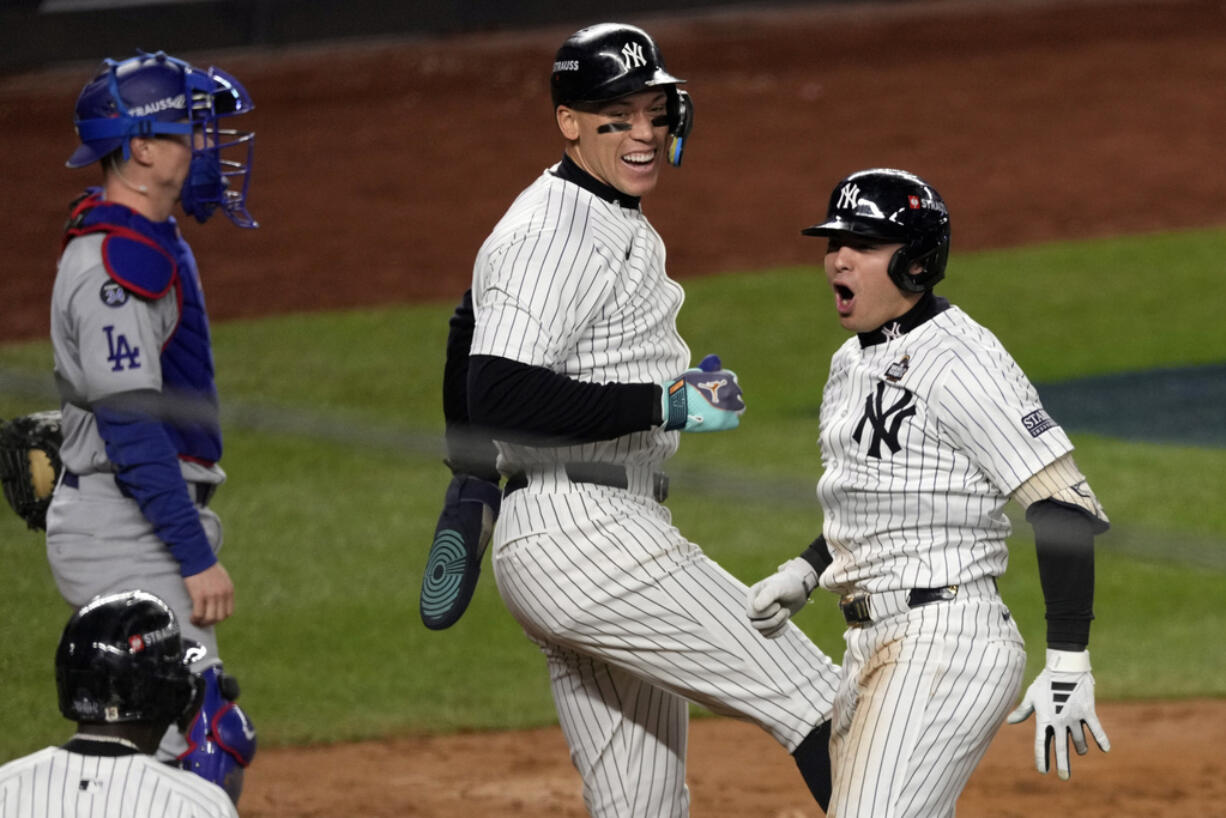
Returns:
<point x="857" y="609"/>
<point x="202" y="492"/>
<point x="600" y="474"/>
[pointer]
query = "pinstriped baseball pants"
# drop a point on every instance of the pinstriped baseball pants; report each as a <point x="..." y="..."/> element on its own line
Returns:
<point x="922" y="695"/>
<point x="634" y="620"/>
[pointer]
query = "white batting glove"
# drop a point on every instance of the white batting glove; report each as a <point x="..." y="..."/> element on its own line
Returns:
<point x="1062" y="699"/>
<point x="772" y="601"/>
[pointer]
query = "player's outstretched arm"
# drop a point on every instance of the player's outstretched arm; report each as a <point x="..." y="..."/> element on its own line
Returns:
<point x="706" y="398"/>
<point x="773" y="601"/>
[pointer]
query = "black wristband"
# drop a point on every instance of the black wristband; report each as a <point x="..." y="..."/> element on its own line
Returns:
<point x="818" y="554"/>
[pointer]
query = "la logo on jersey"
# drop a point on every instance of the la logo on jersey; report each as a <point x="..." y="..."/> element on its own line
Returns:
<point x="632" y="55"/>
<point x="120" y="350"/>
<point x="886" y="421"/>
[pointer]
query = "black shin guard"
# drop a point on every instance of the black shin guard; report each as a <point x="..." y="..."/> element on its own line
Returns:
<point x="813" y="759"/>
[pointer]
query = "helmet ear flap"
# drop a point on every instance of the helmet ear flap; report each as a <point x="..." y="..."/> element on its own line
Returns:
<point x="680" y="122"/>
<point x="932" y="263"/>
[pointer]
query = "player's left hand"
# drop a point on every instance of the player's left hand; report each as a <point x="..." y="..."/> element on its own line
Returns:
<point x="212" y="595"/>
<point x="1062" y="699"/>
<point x="774" y="600"/>
<point x="706" y="398"/>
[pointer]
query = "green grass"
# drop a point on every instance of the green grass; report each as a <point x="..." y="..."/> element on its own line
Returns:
<point x="333" y="451"/>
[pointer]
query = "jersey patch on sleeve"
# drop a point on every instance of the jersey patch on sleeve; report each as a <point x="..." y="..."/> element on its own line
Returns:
<point x="1038" y="422"/>
<point x="138" y="264"/>
<point x="113" y="294"/>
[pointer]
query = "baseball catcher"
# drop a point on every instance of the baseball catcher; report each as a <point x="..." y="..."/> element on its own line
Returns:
<point x="30" y="464"/>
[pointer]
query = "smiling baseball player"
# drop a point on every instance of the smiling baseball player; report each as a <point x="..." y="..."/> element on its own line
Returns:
<point x="928" y="427"/>
<point x="578" y="372"/>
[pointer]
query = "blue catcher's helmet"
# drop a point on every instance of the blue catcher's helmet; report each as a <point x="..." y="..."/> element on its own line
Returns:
<point x="156" y="94"/>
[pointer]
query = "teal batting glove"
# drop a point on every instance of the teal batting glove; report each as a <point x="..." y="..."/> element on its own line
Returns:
<point x="703" y="399"/>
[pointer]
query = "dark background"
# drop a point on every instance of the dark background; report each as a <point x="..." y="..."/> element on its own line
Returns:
<point x="36" y="34"/>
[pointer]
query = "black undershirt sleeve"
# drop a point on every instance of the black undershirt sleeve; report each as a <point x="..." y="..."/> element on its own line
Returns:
<point x="1064" y="542"/>
<point x="533" y="405"/>
<point x="469" y="450"/>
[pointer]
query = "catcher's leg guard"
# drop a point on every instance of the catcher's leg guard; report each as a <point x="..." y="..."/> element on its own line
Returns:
<point x="220" y="739"/>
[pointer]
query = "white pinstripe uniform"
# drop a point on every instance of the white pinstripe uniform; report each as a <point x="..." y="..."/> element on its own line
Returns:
<point x="923" y="439"/>
<point x="633" y="618"/>
<point x="57" y="783"/>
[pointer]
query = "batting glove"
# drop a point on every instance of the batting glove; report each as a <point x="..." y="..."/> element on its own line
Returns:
<point x="463" y="533"/>
<point x="1062" y="699"/>
<point x="773" y="600"/>
<point x="704" y="399"/>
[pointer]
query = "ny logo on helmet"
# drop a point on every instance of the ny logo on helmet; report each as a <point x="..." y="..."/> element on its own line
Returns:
<point x="632" y="55"/>
<point x="849" y="197"/>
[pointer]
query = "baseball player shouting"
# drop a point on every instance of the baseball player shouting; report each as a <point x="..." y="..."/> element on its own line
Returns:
<point x="577" y="370"/>
<point x="123" y="675"/>
<point x="134" y="366"/>
<point x="928" y="428"/>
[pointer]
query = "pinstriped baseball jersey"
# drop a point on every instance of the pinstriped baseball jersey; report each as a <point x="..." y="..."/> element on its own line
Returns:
<point x="57" y="783"/>
<point x="634" y="620"/>
<point x="575" y="283"/>
<point x="923" y="438"/>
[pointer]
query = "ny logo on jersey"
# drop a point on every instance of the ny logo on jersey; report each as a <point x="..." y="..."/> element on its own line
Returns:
<point x="632" y="55"/>
<point x="849" y="197"/>
<point x="886" y="421"/>
<point x="120" y="350"/>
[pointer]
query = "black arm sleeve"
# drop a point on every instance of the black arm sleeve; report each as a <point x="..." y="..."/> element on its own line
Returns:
<point x="536" y="406"/>
<point x="818" y="554"/>
<point x="469" y="449"/>
<point x="1064" y="540"/>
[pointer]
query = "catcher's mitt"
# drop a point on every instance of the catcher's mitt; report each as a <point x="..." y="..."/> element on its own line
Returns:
<point x="30" y="463"/>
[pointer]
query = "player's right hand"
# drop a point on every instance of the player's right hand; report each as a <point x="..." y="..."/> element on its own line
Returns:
<point x="706" y="398"/>
<point x="773" y="601"/>
<point x="212" y="595"/>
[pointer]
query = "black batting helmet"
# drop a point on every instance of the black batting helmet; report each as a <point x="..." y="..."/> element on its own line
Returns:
<point x="893" y="206"/>
<point x="608" y="61"/>
<point x="121" y="659"/>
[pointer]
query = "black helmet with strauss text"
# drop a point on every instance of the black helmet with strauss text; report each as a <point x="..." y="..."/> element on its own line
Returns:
<point x="608" y="61"/>
<point x="121" y="658"/>
<point x="893" y="206"/>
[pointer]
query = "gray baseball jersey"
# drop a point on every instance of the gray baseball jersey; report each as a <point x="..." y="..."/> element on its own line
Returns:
<point x="119" y="313"/>
<point x="98" y="540"/>
<point x="633" y="619"/>
<point x="59" y="783"/>
<point x="924" y="436"/>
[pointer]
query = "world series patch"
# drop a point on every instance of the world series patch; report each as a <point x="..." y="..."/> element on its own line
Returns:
<point x="1038" y="422"/>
